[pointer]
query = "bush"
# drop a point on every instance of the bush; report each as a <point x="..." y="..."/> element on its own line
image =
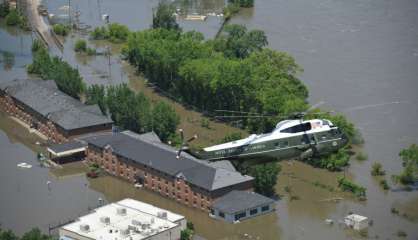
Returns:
<point x="13" y="18"/>
<point x="61" y="29"/>
<point x="100" y="33"/>
<point x="333" y="162"/>
<point x="361" y="156"/>
<point x="204" y="122"/>
<point x="401" y="234"/>
<point x="36" y="45"/>
<point x="80" y="45"/>
<point x="348" y="186"/>
<point x="384" y="184"/>
<point x="91" y="51"/>
<point x="377" y="170"/>
<point x="243" y="3"/>
<point x="114" y="32"/>
<point x="231" y="137"/>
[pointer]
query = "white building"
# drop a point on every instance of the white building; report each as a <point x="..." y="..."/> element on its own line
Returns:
<point x="127" y="219"/>
<point x="357" y="222"/>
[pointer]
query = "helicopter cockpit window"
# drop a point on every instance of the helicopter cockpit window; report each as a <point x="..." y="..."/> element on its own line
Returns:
<point x="298" y="128"/>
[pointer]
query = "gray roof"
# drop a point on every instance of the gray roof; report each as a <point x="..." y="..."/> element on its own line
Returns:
<point x="45" y="98"/>
<point x="163" y="158"/>
<point x="58" y="148"/>
<point x="225" y="164"/>
<point x="237" y="201"/>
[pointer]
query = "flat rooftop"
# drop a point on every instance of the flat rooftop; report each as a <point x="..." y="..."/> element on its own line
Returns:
<point x="44" y="97"/>
<point x="127" y="219"/>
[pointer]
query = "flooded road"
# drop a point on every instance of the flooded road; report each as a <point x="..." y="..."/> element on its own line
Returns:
<point x="360" y="57"/>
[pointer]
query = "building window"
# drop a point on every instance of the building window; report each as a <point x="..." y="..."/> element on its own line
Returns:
<point x="240" y="215"/>
<point x="265" y="208"/>
<point x="253" y="211"/>
<point x="221" y="214"/>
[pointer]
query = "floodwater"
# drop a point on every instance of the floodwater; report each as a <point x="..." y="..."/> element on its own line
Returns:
<point x="360" y="57"/>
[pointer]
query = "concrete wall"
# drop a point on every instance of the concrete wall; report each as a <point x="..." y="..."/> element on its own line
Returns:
<point x="231" y="217"/>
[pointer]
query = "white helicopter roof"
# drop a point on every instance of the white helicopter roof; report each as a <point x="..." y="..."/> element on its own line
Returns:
<point x="317" y="125"/>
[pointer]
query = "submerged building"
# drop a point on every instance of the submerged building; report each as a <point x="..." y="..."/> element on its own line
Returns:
<point x="42" y="106"/>
<point x="126" y="219"/>
<point x="144" y="159"/>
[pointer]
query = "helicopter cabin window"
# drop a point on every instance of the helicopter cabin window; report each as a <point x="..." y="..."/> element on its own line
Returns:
<point x="298" y="128"/>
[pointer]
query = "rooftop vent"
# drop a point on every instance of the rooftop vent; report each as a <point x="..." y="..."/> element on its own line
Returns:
<point x="84" y="227"/>
<point x="124" y="232"/>
<point x="136" y="222"/>
<point x="121" y="211"/>
<point x="105" y="220"/>
<point x="162" y="214"/>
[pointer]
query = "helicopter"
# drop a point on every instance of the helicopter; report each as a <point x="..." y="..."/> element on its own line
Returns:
<point x="291" y="138"/>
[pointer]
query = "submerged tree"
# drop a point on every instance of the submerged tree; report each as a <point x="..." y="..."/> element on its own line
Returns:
<point x="409" y="158"/>
<point x="265" y="178"/>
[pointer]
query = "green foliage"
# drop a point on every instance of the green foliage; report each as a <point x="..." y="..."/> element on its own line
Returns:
<point x="204" y="122"/>
<point x="409" y="158"/>
<point x="80" y="45"/>
<point x="384" y="184"/>
<point x="96" y="94"/>
<point x="243" y="3"/>
<point x="67" y="78"/>
<point x="13" y="18"/>
<point x="230" y="10"/>
<point x="265" y="178"/>
<point x="114" y="32"/>
<point x="163" y="17"/>
<point x="235" y="72"/>
<point x="165" y="120"/>
<point x="100" y="33"/>
<point x="231" y="137"/>
<point x="348" y="186"/>
<point x="37" y="45"/>
<point x="186" y="234"/>
<point x="238" y="42"/>
<point x="134" y="111"/>
<point x="127" y="109"/>
<point x="377" y="170"/>
<point x="4" y="9"/>
<point x="361" y="156"/>
<point x="61" y="29"/>
<point x="34" y="234"/>
<point x="333" y="162"/>
<point x="190" y="225"/>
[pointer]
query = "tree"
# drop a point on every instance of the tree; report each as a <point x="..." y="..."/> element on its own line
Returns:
<point x="7" y="235"/>
<point x="377" y="169"/>
<point x="96" y="94"/>
<point x="265" y="178"/>
<point x="163" y="17"/>
<point x="80" y="45"/>
<point x="409" y="158"/>
<point x="165" y="120"/>
<point x="35" y="234"/>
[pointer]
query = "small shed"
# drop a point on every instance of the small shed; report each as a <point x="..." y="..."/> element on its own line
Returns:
<point x="236" y="206"/>
<point x="357" y="222"/>
<point x="67" y="152"/>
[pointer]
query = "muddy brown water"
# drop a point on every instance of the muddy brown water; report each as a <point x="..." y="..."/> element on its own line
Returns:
<point x="359" y="57"/>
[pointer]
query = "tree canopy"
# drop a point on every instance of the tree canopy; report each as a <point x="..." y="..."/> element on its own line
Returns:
<point x="265" y="178"/>
<point x="34" y="234"/>
<point x="409" y="158"/>
<point x="233" y="72"/>
<point x="163" y="16"/>
<point x="66" y="77"/>
<point x="134" y="111"/>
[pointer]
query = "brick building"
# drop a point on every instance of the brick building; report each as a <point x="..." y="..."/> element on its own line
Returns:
<point x="42" y="106"/>
<point x="145" y="160"/>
